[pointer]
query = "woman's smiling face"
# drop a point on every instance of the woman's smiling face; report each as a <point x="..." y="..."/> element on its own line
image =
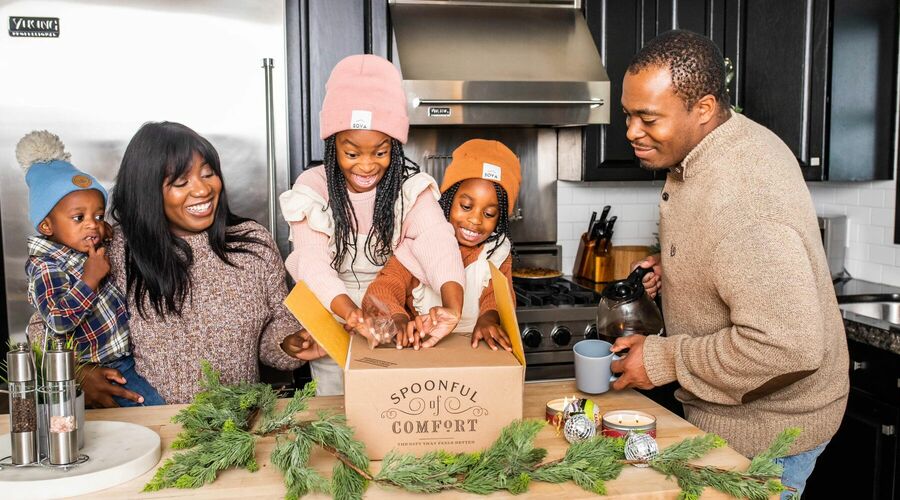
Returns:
<point x="190" y="201"/>
<point x="475" y="212"/>
<point x="363" y="156"/>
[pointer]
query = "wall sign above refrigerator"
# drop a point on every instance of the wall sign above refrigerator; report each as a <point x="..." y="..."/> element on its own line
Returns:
<point x="34" y="27"/>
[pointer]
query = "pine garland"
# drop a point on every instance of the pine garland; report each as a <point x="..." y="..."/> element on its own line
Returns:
<point x="221" y="427"/>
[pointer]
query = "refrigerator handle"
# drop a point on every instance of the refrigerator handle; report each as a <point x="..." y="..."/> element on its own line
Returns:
<point x="270" y="142"/>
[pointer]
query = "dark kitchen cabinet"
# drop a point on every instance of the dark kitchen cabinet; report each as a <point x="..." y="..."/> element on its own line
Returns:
<point x="329" y="30"/>
<point x="821" y="74"/>
<point x="620" y="29"/>
<point x="863" y="459"/>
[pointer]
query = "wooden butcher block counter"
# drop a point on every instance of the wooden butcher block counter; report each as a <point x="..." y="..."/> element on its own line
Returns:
<point x="632" y="483"/>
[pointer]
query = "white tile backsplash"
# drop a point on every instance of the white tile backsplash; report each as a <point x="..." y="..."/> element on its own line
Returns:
<point x="636" y="204"/>
<point x="869" y="207"/>
<point x="872" y="254"/>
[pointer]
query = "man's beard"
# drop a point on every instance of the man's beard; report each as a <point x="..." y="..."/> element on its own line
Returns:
<point x="649" y="166"/>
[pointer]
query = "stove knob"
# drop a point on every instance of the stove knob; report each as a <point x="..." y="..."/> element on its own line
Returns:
<point x="591" y="332"/>
<point x="561" y="335"/>
<point x="532" y="337"/>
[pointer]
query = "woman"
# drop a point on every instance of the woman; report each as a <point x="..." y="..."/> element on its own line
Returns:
<point x="201" y="282"/>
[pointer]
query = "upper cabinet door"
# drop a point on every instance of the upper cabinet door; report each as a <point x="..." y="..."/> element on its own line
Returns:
<point x="822" y="75"/>
<point x="784" y="74"/>
<point x="620" y="29"/>
<point x="863" y="88"/>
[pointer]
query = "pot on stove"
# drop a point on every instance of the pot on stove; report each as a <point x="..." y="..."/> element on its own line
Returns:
<point x="626" y="309"/>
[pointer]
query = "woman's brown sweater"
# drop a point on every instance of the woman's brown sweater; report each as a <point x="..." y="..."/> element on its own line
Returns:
<point x="234" y="318"/>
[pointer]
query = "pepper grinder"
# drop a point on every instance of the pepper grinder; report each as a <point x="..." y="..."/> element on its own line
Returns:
<point x="59" y="366"/>
<point x="22" y="405"/>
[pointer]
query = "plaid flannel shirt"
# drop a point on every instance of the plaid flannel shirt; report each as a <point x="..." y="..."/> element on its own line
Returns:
<point x="97" y="321"/>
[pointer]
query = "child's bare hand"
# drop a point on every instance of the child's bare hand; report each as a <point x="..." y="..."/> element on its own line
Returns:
<point x="491" y="333"/>
<point x="96" y="267"/>
<point x="302" y="346"/>
<point x="405" y="331"/>
<point x="437" y="324"/>
<point x="359" y="323"/>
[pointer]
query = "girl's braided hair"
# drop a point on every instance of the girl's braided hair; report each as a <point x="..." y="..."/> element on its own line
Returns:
<point x="378" y="241"/>
<point x="501" y="232"/>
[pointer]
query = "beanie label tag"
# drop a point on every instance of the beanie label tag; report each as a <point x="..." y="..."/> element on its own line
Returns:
<point x="490" y="172"/>
<point x="361" y="119"/>
<point x="81" y="181"/>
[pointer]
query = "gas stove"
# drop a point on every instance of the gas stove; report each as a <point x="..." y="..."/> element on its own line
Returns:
<point x="552" y="318"/>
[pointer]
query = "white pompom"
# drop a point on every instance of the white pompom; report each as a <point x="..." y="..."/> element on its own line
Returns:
<point x="40" y="146"/>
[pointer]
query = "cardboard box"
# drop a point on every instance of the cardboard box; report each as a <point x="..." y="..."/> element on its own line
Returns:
<point x="450" y="397"/>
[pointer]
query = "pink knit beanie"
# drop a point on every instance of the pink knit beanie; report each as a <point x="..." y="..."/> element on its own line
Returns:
<point x="364" y="92"/>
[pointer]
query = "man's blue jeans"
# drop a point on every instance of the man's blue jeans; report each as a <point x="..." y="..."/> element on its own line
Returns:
<point x="797" y="469"/>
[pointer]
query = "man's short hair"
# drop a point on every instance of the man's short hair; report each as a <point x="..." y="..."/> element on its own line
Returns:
<point x="693" y="60"/>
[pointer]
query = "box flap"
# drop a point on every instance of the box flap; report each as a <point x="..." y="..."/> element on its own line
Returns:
<point x="319" y="321"/>
<point x="504" y="297"/>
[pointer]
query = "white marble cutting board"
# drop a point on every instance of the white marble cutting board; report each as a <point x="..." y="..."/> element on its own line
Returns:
<point x="118" y="451"/>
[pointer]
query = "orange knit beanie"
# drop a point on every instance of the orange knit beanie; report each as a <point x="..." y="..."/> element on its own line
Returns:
<point x="483" y="159"/>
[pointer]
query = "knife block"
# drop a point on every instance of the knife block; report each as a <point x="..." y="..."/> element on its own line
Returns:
<point x="584" y="261"/>
<point x="603" y="265"/>
<point x="593" y="263"/>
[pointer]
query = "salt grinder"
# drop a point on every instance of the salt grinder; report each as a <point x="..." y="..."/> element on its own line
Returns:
<point x="59" y="364"/>
<point x="22" y="405"/>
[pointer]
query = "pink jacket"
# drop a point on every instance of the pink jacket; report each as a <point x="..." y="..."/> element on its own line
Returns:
<point x="427" y="246"/>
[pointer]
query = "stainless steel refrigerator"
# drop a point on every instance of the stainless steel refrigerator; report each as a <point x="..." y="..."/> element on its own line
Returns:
<point x="93" y="71"/>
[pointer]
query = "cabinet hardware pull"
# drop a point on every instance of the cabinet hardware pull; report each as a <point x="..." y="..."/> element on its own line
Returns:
<point x="887" y="430"/>
<point x="859" y="365"/>
<point x="270" y="143"/>
<point x="522" y="102"/>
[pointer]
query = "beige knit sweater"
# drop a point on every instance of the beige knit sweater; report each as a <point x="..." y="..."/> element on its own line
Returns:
<point x="235" y="319"/>
<point x="755" y="337"/>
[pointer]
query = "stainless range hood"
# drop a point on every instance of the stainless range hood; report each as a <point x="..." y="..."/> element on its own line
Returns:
<point x="499" y="63"/>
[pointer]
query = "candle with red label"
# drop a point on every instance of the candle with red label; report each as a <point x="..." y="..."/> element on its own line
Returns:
<point x="618" y="423"/>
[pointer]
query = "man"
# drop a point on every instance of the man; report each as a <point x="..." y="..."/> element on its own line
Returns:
<point x="755" y="337"/>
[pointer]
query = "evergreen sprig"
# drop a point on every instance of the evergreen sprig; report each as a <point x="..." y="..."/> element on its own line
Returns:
<point x="507" y="463"/>
<point x="589" y="464"/>
<point x="232" y="447"/>
<point x="285" y="418"/>
<point x="218" y="433"/>
<point x="764" y="463"/>
<point x="433" y="472"/>
<point x="761" y="480"/>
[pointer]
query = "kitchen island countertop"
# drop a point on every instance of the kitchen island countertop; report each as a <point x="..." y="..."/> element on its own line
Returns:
<point x="633" y="483"/>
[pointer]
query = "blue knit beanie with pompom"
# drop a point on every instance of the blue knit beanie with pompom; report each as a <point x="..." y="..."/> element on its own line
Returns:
<point x="49" y="174"/>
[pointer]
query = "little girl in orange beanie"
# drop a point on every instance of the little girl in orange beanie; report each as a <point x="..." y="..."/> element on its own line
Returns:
<point x="479" y="191"/>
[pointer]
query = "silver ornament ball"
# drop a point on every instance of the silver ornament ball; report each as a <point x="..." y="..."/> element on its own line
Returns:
<point x="579" y="428"/>
<point x="640" y="446"/>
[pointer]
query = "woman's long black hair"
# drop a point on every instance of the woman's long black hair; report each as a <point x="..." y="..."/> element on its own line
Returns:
<point x="378" y="241"/>
<point x="157" y="263"/>
<point x="501" y="232"/>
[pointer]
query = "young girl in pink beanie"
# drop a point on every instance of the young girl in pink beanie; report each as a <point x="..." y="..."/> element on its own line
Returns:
<point x="366" y="203"/>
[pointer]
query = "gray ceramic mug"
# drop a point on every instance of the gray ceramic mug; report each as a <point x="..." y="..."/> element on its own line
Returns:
<point x="592" y="366"/>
